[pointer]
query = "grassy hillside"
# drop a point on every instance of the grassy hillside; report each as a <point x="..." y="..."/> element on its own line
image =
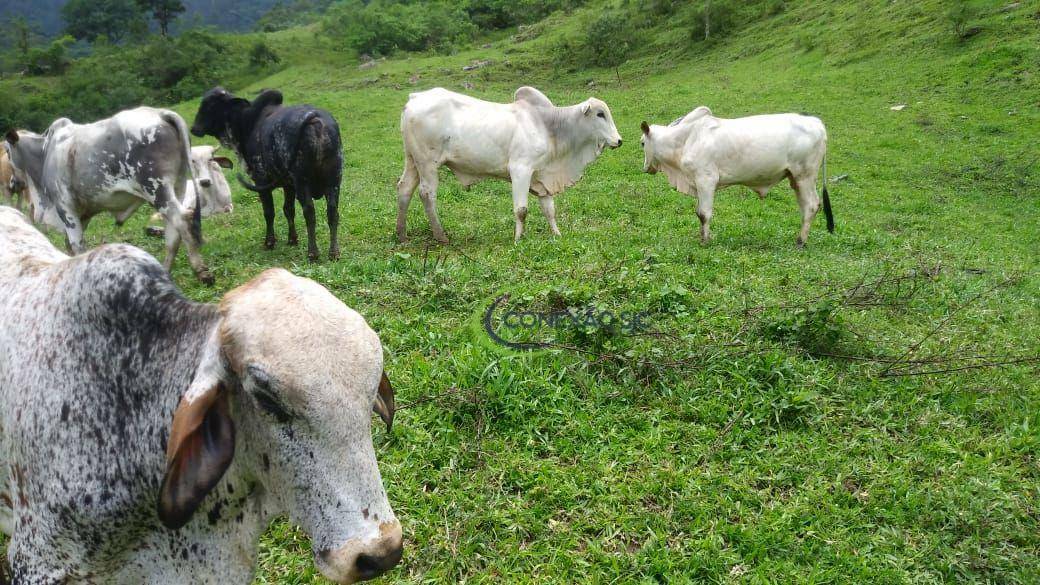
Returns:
<point x="734" y="444"/>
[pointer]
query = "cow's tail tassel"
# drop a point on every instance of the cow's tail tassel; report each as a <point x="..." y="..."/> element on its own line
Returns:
<point x="827" y="200"/>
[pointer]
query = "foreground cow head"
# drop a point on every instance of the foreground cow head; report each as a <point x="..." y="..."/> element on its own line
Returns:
<point x="216" y="193"/>
<point x="298" y="391"/>
<point x="601" y="123"/>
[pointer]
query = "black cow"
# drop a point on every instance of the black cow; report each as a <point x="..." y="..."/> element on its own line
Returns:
<point x="295" y="148"/>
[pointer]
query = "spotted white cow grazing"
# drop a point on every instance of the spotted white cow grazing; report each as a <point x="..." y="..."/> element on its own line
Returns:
<point x="700" y="153"/>
<point x="76" y="171"/>
<point x="11" y="184"/>
<point x="538" y="147"/>
<point x="145" y="438"/>
<point x="215" y="192"/>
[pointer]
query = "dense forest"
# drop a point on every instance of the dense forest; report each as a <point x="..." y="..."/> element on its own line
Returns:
<point x="230" y="15"/>
<point x="113" y="54"/>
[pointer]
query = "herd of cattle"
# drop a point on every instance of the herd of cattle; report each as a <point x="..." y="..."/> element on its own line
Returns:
<point x="145" y="438"/>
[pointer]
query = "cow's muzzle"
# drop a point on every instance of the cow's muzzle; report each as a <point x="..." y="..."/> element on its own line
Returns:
<point x="16" y="185"/>
<point x="618" y="145"/>
<point x="198" y="132"/>
<point x="361" y="560"/>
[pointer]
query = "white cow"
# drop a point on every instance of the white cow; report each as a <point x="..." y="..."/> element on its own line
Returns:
<point x="216" y="193"/>
<point x="700" y="153"/>
<point x="540" y="148"/>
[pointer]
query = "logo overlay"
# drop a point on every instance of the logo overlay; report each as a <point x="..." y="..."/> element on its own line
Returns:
<point x="525" y="329"/>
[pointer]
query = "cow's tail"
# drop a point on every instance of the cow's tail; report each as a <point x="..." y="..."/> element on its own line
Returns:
<point x="245" y="183"/>
<point x="827" y="199"/>
<point x="178" y="122"/>
<point x="311" y="117"/>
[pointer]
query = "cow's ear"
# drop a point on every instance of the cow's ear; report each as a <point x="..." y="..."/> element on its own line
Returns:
<point x="11" y="136"/>
<point x="385" y="405"/>
<point x="201" y="444"/>
<point x="224" y="162"/>
<point x="201" y="447"/>
<point x="646" y="128"/>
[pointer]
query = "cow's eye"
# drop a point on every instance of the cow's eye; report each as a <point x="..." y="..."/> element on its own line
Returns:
<point x="266" y="397"/>
<point x="601" y="115"/>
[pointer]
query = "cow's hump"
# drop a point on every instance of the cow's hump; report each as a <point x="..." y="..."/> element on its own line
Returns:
<point x="532" y="96"/>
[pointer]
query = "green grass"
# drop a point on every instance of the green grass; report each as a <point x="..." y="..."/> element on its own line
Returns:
<point x="751" y="460"/>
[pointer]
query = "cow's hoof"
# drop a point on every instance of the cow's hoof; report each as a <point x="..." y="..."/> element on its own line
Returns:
<point x="293" y="241"/>
<point x="269" y="243"/>
<point x="206" y="277"/>
<point x="313" y="255"/>
<point x="334" y="254"/>
<point x="154" y="231"/>
<point x="800" y="244"/>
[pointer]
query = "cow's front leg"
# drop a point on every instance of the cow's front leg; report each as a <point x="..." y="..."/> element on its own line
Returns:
<point x="308" y="215"/>
<point x="289" y="209"/>
<point x="548" y="206"/>
<point x="267" y="201"/>
<point x="178" y="227"/>
<point x="521" y="178"/>
<point x="705" y="206"/>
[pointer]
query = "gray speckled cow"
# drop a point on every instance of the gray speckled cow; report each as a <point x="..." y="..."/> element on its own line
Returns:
<point x="145" y="438"/>
<point x="76" y="171"/>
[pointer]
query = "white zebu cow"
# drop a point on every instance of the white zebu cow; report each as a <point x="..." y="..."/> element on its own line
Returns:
<point x="145" y="438"/>
<point x="216" y="193"/>
<point x="76" y="171"/>
<point x="700" y="153"/>
<point x="537" y="146"/>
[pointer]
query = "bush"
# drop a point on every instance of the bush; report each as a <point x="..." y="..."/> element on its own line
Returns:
<point x="262" y="55"/>
<point x="960" y="14"/>
<point x="499" y="14"/>
<point x="816" y="329"/>
<point x="609" y="39"/>
<point x="52" y="60"/>
<point x="181" y="68"/>
<point x="711" y="20"/>
<point x="285" y="15"/>
<point x="382" y="28"/>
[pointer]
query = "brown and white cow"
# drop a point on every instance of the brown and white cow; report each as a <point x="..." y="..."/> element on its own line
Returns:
<point x="145" y="438"/>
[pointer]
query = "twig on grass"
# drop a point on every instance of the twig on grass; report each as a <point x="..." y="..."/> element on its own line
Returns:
<point x="913" y="348"/>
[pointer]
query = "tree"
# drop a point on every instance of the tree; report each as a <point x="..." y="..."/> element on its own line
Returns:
<point x="23" y="33"/>
<point x="50" y="60"/>
<point x="163" y="11"/>
<point x="93" y="19"/>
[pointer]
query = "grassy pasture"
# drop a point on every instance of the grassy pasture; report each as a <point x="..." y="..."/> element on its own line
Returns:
<point x="726" y="447"/>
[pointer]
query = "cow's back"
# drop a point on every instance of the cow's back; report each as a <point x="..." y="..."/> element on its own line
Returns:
<point x="473" y="137"/>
